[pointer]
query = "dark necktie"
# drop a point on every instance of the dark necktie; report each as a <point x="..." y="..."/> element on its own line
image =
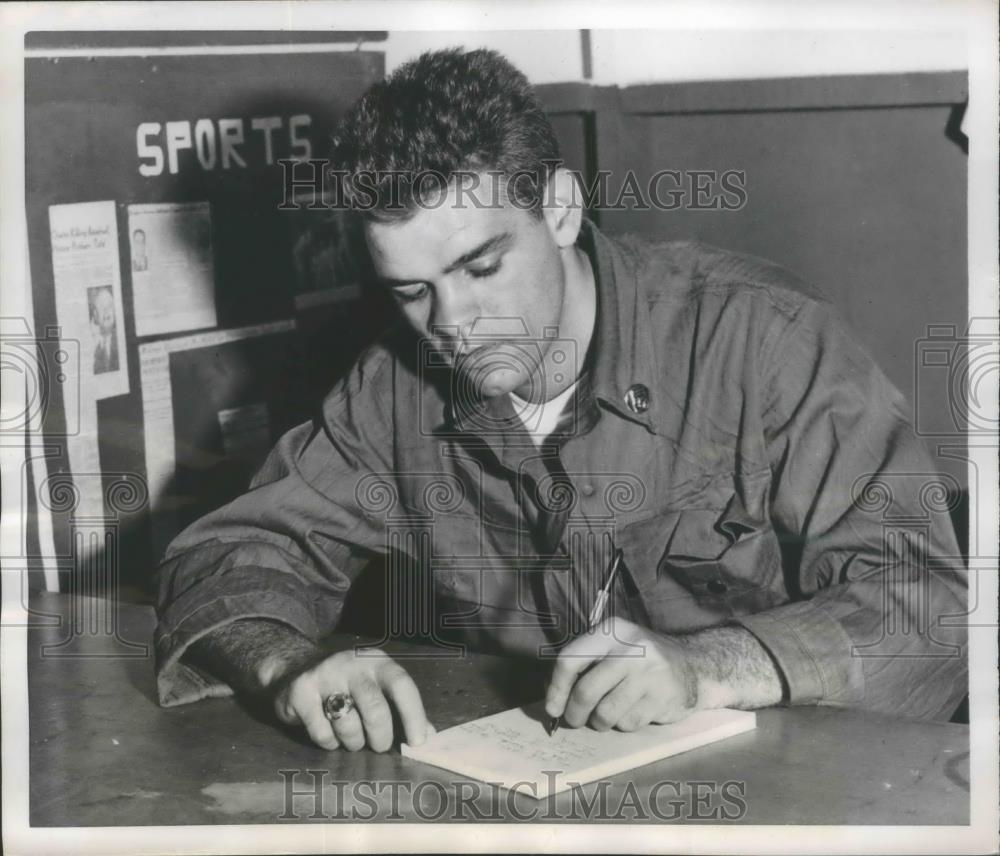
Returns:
<point x="552" y="498"/>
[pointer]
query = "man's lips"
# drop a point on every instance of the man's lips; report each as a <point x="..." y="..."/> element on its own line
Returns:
<point x="484" y="358"/>
<point x="464" y="353"/>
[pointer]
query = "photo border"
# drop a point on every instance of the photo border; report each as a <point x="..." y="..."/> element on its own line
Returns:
<point x="976" y="19"/>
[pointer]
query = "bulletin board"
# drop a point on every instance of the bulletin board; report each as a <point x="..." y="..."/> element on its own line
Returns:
<point x="185" y="150"/>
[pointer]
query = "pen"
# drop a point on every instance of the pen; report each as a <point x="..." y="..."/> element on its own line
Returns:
<point x="596" y="617"/>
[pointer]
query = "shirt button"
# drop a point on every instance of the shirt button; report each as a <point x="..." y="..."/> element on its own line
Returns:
<point x="637" y="398"/>
<point x="717" y="587"/>
<point x="587" y="490"/>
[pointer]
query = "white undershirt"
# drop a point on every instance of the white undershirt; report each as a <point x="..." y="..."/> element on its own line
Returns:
<point x="540" y="420"/>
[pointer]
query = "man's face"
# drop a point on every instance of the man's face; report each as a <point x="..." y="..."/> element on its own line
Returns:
<point x="104" y="311"/>
<point x="480" y="282"/>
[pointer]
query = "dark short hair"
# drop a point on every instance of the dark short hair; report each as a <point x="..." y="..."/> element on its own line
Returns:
<point x="444" y="113"/>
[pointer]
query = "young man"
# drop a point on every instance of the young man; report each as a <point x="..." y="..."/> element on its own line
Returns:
<point x="554" y="397"/>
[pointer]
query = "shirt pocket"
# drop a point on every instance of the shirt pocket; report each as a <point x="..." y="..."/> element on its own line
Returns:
<point x="476" y="562"/>
<point x="714" y="554"/>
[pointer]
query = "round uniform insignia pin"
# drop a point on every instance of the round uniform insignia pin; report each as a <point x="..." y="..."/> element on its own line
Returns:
<point x="637" y="398"/>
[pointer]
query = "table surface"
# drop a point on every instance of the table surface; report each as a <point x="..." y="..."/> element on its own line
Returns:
<point x="103" y="753"/>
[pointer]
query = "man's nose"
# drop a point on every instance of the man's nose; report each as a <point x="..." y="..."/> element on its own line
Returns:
<point x="452" y="314"/>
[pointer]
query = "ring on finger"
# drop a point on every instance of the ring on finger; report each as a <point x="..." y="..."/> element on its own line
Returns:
<point x="337" y="706"/>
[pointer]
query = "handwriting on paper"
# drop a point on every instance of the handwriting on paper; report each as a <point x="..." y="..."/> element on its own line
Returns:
<point x="565" y="748"/>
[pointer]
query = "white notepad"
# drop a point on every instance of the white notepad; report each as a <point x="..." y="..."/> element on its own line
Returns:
<point x="513" y="749"/>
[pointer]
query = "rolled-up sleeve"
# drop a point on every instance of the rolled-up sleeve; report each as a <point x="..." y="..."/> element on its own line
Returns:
<point x="878" y="586"/>
<point x="287" y="550"/>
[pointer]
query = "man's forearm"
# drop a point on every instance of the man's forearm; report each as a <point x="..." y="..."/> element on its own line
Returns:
<point x="252" y="653"/>
<point x="732" y="669"/>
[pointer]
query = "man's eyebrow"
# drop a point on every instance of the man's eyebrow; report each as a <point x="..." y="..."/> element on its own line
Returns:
<point x="497" y="242"/>
<point x="388" y="282"/>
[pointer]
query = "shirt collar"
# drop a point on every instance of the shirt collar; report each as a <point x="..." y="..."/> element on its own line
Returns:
<point x="621" y="353"/>
<point x="622" y="347"/>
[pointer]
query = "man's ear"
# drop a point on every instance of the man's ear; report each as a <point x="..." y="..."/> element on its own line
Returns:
<point x="562" y="207"/>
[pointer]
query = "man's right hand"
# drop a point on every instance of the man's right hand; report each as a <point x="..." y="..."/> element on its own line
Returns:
<point x="374" y="680"/>
<point x="269" y="658"/>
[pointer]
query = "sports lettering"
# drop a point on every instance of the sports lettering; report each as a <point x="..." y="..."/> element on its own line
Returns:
<point x="220" y="143"/>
